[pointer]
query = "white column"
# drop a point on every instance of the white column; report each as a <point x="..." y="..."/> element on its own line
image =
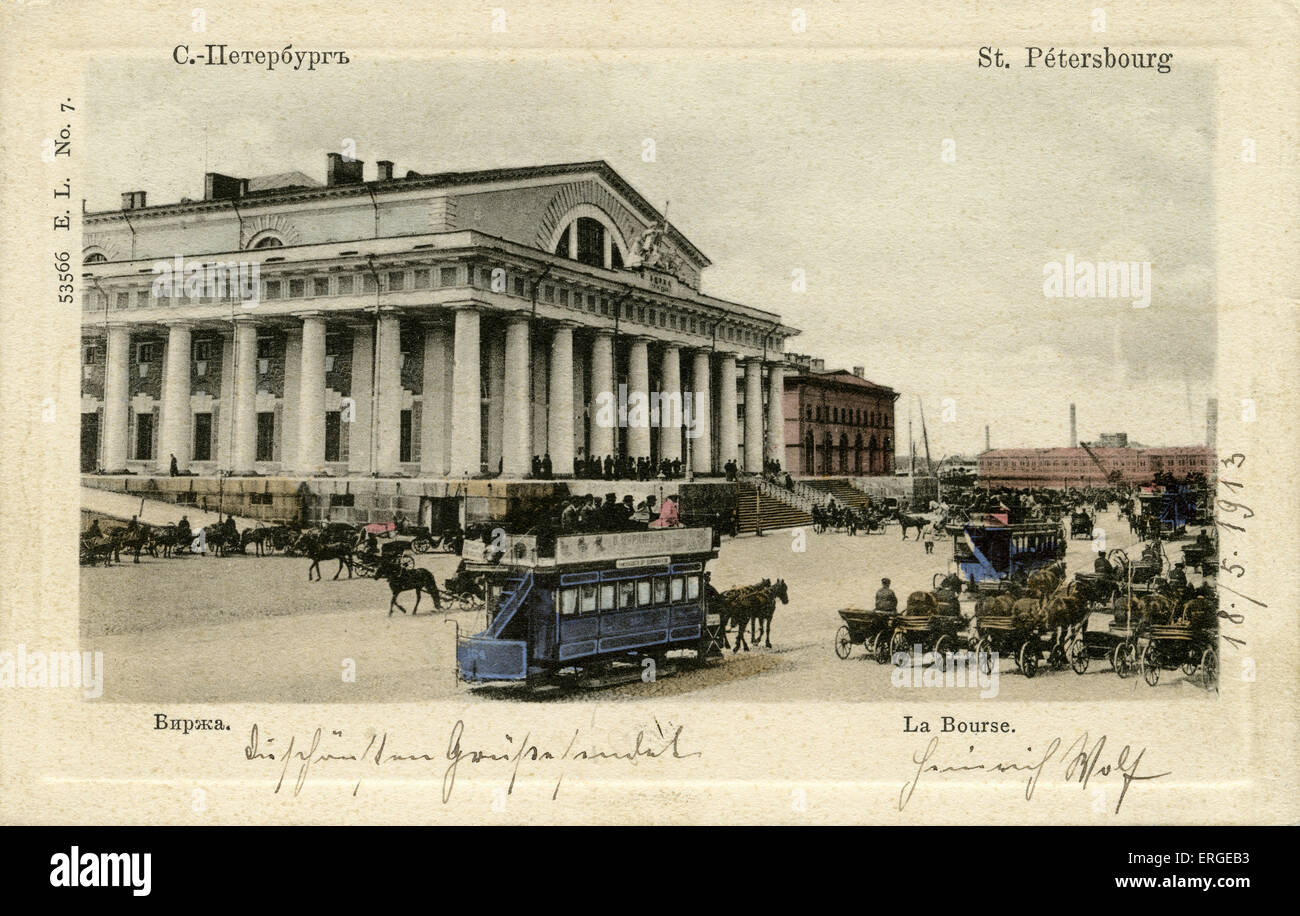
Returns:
<point x="359" y="388"/>
<point x="776" y="414"/>
<point x="727" y="438"/>
<point x="541" y="399"/>
<point x="516" y="420"/>
<point x="602" y="386"/>
<point x="670" y="432"/>
<point x="559" y="440"/>
<point x="388" y="398"/>
<point x="638" y="384"/>
<point x="701" y="446"/>
<point x="495" y="342"/>
<point x="291" y="401"/>
<point x="466" y="423"/>
<point x="245" y="457"/>
<point x="174" y="437"/>
<point x="580" y="445"/>
<point x="436" y="412"/>
<point x="311" y="397"/>
<point x="753" y="415"/>
<point x="117" y="389"/>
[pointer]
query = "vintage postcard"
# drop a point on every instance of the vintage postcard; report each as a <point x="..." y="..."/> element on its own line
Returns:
<point x="665" y="413"/>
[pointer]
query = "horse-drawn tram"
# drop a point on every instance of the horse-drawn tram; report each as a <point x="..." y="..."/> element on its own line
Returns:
<point x="990" y="549"/>
<point x="590" y="608"/>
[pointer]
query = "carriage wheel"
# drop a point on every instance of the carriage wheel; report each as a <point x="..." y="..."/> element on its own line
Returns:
<point x="420" y="545"/>
<point x="1077" y="653"/>
<point x="1189" y="664"/>
<point x="843" y="643"/>
<point x="408" y="561"/>
<point x="1210" y="668"/>
<point x="898" y="648"/>
<point x="942" y="647"/>
<point x="1027" y="658"/>
<point x="984" y="652"/>
<point x="1150" y="670"/>
<point x="1121" y="659"/>
<point x="880" y="647"/>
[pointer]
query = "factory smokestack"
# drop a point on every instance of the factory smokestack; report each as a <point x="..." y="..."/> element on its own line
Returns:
<point x="987" y="447"/>
<point x="1211" y="421"/>
<point x="1074" y="430"/>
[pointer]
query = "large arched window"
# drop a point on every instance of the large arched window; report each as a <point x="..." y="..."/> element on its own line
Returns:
<point x="589" y="236"/>
<point x="268" y="241"/>
<point x="93" y="258"/>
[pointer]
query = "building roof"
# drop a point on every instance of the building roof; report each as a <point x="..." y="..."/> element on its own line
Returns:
<point x="282" y="181"/>
<point x="1066" y="452"/>
<point x="838" y="377"/>
<point x="305" y="188"/>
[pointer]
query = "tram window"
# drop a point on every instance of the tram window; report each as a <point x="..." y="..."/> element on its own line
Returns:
<point x="568" y="601"/>
<point x="692" y="587"/>
<point x="643" y="592"/>
<point x="587" y="598"/>
<point x="675" y="588"/>
<point x="607" y="597"/>
<point x="626" y="596"/>
<point x="660" y="589"/>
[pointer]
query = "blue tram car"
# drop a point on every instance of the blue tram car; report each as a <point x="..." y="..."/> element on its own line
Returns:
<point x="1169" y="510"/>
<point x="585" y="602"/>
<point x="988" y="549"/>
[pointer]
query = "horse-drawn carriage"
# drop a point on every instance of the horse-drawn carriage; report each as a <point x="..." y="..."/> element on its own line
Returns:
<point x="590" y="607"/>
<point x="1180" y="644"/>
<point x="390" y="554"/>
<point x="1117" y="644"/>
<point x="872" y="629"/>
<point x="1016" y="635"/>
<point x="1080" y="524"/>
<point x="930" y="623"/>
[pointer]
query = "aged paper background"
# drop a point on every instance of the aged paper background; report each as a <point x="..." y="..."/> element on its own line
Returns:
<point x="1231" y="759"/>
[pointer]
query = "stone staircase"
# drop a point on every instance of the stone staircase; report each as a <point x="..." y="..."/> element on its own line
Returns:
<point x="754" y="499"/>
<point x="844" y="492"/>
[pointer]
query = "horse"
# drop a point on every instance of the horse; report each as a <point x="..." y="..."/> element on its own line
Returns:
<point x="260" y="538"/>
<point x="317" y="550"/>
<point x="905" y="521"/>
<point x="132" y="540"/>
<point x="738" y="609"/>
<point x="761" y="620"/>
<point x="1066" y="616"/>
<point x="1044" y="582"/>
<point x="400" y="579"/>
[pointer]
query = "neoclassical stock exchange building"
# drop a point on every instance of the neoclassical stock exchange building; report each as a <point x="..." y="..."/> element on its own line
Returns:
<point x="428" y="326"/>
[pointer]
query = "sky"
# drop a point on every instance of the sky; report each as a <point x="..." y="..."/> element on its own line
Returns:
<point x="929" y="273"/>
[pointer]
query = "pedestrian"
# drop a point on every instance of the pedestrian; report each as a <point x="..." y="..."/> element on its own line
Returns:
<point x="174" y="469"/>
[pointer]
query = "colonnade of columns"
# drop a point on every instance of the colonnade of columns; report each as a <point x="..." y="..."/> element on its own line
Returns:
<point x="451" y="436"/>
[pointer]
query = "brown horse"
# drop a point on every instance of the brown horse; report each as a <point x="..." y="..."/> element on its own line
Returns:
<point x="401" y="579"/>
<point x="740" y="606"/>
<point x="761" y="620"/>
<point x="315" y="550"/>
<point x="906" y="521"/>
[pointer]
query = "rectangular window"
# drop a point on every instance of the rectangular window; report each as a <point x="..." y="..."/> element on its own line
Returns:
<point x="272" y="289"/>
<point x="202" y="349"/>
<point x="404" y="442"/>
<point x="297" y="288"/>
<point x="144" y="353"/>
<point x="676" y="588"/>
<point x="346" y="284"/>
<point x="627" y="594"/>
<point x="692" y="588"/>
<point x="203" y="437"/>
<point x="320" y="286"/>
<point x="263" y="348"/>
<point x="520" y="290"/>
<point x="447" y="276"/>
<point x="122" y="300"/>
<point x="333" y="428"/>
<point x="607" y="597"/>
<point x="587" y="598"/>
<point x="568" y="601"/>
<point x="265" y="436"/>
<point x="421" y="279"/>
<point x="342" y="500"/>
<point x="397" y="280"/>
<point x="548" y="293"/>
<point x="259" y="499"/>
<point x="368" y="283"/>
<point x="643" y="592"/>
<point x="143" y="436"/>
<point x="564" y="298"/>
<point x="660" y="589"/>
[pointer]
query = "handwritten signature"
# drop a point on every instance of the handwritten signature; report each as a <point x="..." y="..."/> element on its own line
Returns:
<point x="1082" y="762"/>
<point x="297" y="761"/>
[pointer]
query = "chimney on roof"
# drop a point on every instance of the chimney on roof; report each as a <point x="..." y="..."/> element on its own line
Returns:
<point x="1211" y="421"/>
<point x="818" y="365"/>
<point x="133" y="200"/>
<point x="342" y="171"/>
<point x="986" y="438"/>
<point x="384" y="170"/>
<point x="223" y="187"/>
<point x="1074" y="431"/>
<point x="860" y="371"/>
